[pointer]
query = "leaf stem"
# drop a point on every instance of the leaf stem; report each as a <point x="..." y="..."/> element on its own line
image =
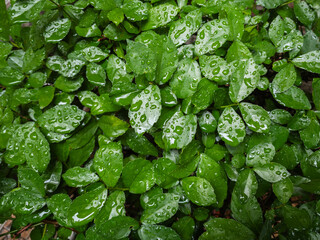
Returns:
<point x="234" y="104"/>
<point x="286" y="3"/>
<point x="116" y="188"/>
<point x="55" y="3"/>
<point x="44" y="231"/>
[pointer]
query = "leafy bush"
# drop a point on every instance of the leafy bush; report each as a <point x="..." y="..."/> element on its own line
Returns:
<point x="160" y="120"/>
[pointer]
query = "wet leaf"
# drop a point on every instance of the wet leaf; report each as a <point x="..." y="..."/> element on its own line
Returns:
<point x="160" y="15"/>
<point x="272" y="172"/>
<point x="308" y="61"/>
<point x="283" y="190"/>
<point x="57" y="30"/>
<point x="221" y="228"/>
<point x="140" y="58"/>
<point x="108" y="163"/>
<point x="27" y="144"/>
<point x="255" y="117"/>
<point x="185" y="81"/>
<point x="210" y="170"/>
<point x="244" y="79"/>
<point x="160" y="208"/>
<point x="199" y="191"/>
<point x="231" y="127"/>
<point x="85" y="207"/>
<point x="179" y="130"/>
<point x="138" y="175"/>
<point x="79" y="177"/>
<point x="211" y="36"/>
<point x="182" y="30"/>
<point x="157" y="231"/>
<point x="145" y="109"/>
<point x="61" y="118"/>
<point x="284" y="79"/>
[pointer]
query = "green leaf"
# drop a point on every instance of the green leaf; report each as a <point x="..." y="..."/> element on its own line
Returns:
<point x="22" y="201"/>
<point x="185" y="227"/>
<point x="160" y="208"/>
<point x="117" y="69"/>
<point x="92" y="31"/>
<point x="162" y="169"/>
<point x="314" y="159"/>
<point x="199" y="191"/>
<point x="280" y="116"/>
<point x="145" y="109"/>
<point x="138" y="175"/>
<point x="246" y="186"/>
<point x="211" y="36"/>
<point x="160" y="15"/>
<point x="276" y="30"/>
<point x="157" y="232"/>
<point x="113" y="207"/>
<point x="284" y="79"/>
<point x="116" y="33"/>
<point x="236" y="23"/>
<point x="244" y="79"/>
<point x="272" y="172"/>
<point x="214" y="68"/>
<point x="283" y="190"/>
<point x="260" y="154"/>
<point x="135" y="10"/>
<point x="210" y="170"/>
<point x="94" y="54"/>
<point x="112" y="126"/>
<point x="57" y="30"/>
<point x="117" y="227"/>
<point x="85" y="207"/>
<point x="67" y="84"/>
<point x="185" y="81"/>
<point x="182" y="30"/>
<point x="116" y="16"/>
<point x="61" y="118"/>
<point x="51" y="177"/>
<point x="304" y="13"/>
<point x="108" y="163"/>
<point x="207" y="122"/>
<point x="227" y="229"/>
<point x="31" y="180"/>
<point x="79" y="177"/>
<point x="249" y="213"/>
<point x="68" y="68"/>
<point x="316" y="92"/>
<point x="96" y="74"/>
<point x="27" y="144"/>
<point x="238" y="51"/>
<point x="231" y="127"/>
<point x="46" y="95"/>
<point x="311" y="134"/>
<point x="33" y="60"/>
<point x="296" y="218"/>
<point x="97" y="104"/>
<point x="4" y="25"/>
<point x="26" y="11"/>
<point x="140" y="58"/>
<point x="255" y="117"/>
<point x="59" y="205"/>
<point x="294" y="98"/>
<point x="10" y="76"/>
<point x="309" y="61"/>
<point x="165" y="53"/>
<point x="179" y="130"/>
<point x="140" y="144"/>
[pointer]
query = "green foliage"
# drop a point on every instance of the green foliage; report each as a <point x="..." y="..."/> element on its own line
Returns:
<point x="149" y="119"/>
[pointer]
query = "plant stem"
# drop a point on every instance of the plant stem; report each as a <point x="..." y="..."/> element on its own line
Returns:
<point x="234" y="104"/>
